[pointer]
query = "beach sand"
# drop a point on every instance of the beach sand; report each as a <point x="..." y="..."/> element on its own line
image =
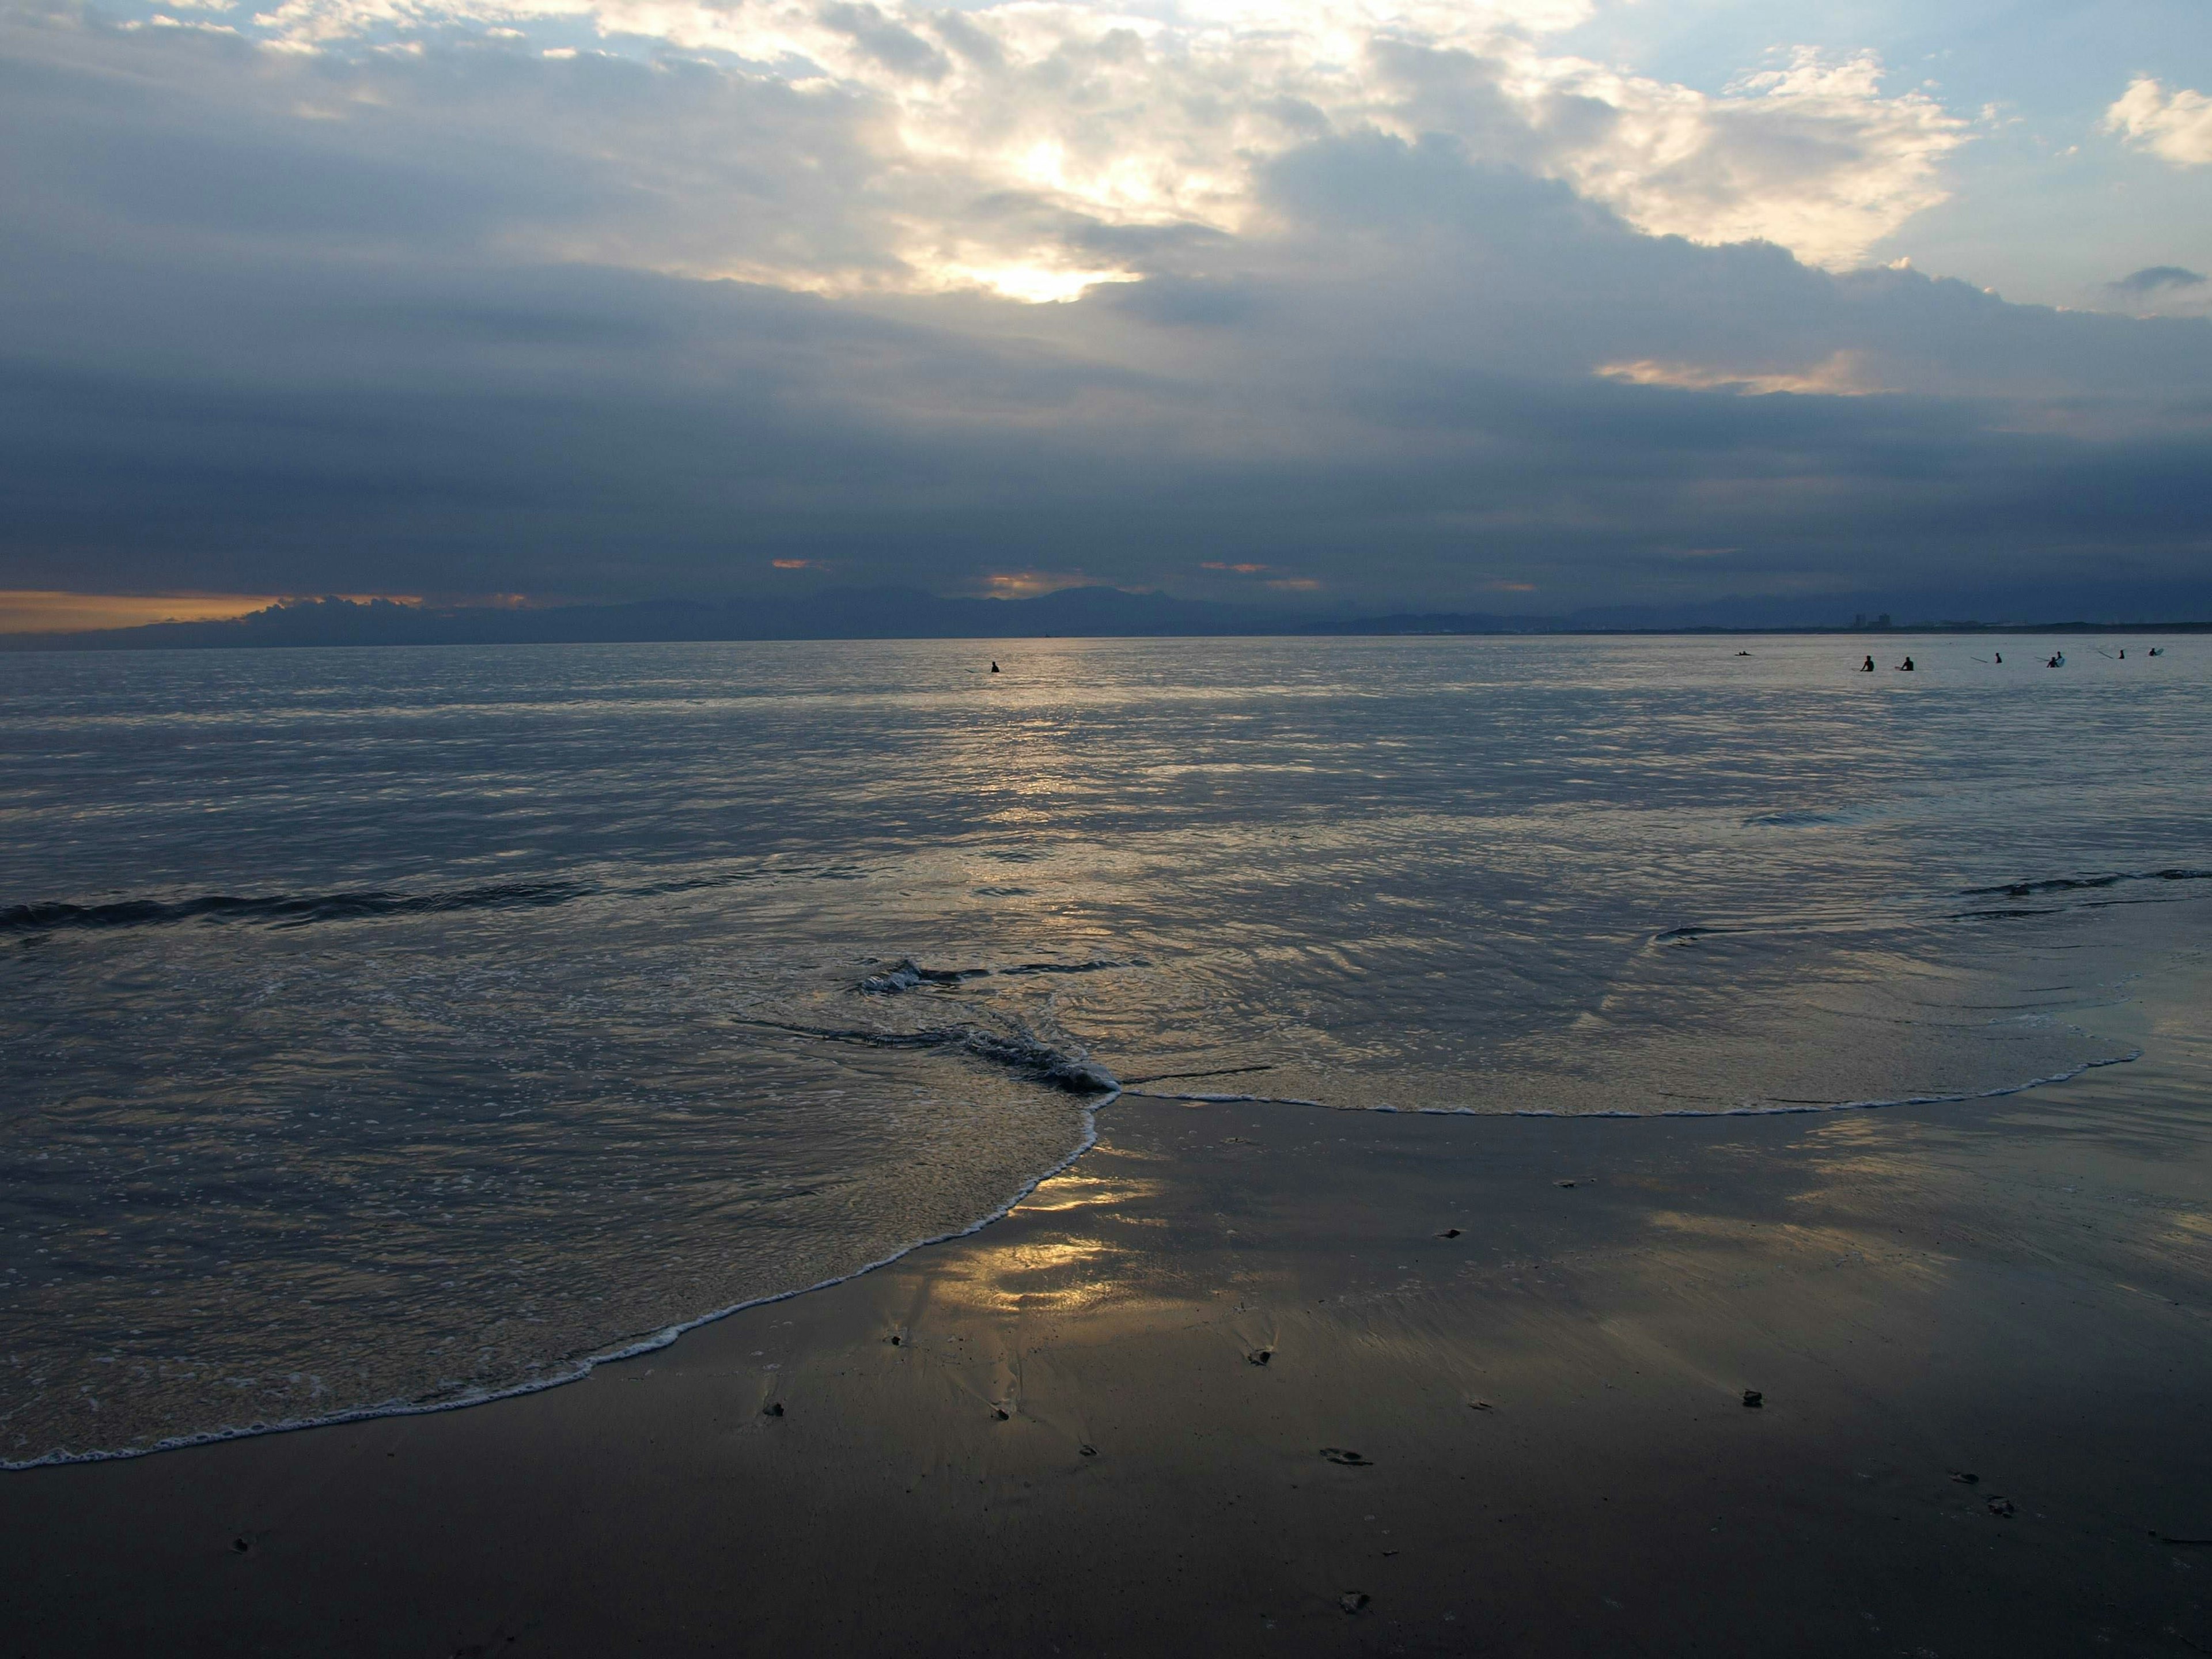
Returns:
<point x="1553" y="1453"/>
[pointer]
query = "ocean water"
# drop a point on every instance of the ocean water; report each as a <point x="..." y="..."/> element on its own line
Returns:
<point x="391" y="1030"/>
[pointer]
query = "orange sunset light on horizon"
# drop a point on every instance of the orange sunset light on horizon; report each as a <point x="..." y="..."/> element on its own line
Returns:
<point x="53" y="610"/>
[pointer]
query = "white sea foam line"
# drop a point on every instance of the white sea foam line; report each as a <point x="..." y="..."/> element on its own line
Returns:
<point x="583" y="1367"/>
<point x="1794" y="1107"/>
<point x="1775" y="1110"/>
<point x="1243" y="1100"/>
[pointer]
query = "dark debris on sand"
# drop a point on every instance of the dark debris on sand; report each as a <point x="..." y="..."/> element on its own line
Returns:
<point x="1351" y="1460"/>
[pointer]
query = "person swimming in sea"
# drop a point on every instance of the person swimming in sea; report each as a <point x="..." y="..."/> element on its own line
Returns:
<point x="994" y="668"/>
<point x="1866" y="667"/>
<point x="2000" y="655"/>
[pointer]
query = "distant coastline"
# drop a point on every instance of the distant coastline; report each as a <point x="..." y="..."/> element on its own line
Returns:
<point x="900" y="613"/>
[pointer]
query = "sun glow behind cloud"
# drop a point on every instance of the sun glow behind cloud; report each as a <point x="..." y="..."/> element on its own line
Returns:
<point x="1028" y="584"/>
<point x="1001" y="149"/>
<point x="1840" y="375"/>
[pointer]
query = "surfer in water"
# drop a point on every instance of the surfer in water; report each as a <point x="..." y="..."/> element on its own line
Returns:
<point x="2000" y="659"/>
<point x="1866" y="667"/>
<point x="994" y="668"/>
<point x="2058" y="661"/>
<point x="1904" y="667"/>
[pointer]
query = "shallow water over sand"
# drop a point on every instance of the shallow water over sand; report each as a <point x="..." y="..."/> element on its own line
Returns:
<point x="391" y="1028"/>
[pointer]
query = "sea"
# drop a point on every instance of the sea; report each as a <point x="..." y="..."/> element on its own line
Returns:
<point x="392" y="1030"/>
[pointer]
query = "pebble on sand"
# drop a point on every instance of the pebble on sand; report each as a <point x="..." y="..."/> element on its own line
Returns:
<point x="1449" y="1232"/>
<point x="1965" y="1477"/>
<point x="1752" y="1397"/>
<point x="1354" y="1601"/>
<point x="1351" y="1460"/>
<point x="1261" y="1356"/>
<point x="2003" y="1508"/>
<point x="1000" y="1412"/>
<point x="773" y="1408"/>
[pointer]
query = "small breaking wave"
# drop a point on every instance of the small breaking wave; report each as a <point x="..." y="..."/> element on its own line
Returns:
<point x="2047" y="887"/>
<point x="1691" y="935"/>
<point x="304" y="909"/>
<point x="284" y="909"/>
<point x="910" y="975"/>
<point x="2075" y="883"/>
<point x="1800" y="819"/>
<point x="1020" y="1052"/>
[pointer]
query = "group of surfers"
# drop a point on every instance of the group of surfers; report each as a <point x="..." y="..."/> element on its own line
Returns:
<point x="2057" y="660"/>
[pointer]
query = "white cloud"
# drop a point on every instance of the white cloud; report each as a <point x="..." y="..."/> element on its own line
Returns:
<point x="2175" y="126"/>
<point x="985" y="147"/>
<point x="1812" y="156"/>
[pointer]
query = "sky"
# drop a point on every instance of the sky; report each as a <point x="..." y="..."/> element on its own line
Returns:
<point x="1528" y="305"/>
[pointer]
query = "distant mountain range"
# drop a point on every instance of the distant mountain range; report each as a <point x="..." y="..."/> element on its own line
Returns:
<point x="902" y="613"/>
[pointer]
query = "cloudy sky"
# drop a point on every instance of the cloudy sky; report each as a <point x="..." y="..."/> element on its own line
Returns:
<point x="1515" y="304"/>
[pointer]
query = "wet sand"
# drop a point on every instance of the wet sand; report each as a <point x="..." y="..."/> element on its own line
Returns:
<point x="1552" y="1455"/>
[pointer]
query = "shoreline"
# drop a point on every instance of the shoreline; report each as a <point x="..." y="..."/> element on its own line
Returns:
<point x="629" y="1347"/>
<point x="638" y="1345"/>
<point x="1073" y="1444"/>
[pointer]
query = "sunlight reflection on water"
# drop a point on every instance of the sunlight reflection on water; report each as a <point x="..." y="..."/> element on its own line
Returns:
<point x="519" y="1052"/>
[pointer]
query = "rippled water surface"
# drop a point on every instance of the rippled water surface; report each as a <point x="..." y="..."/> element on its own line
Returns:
<point x="394" y="1028"/>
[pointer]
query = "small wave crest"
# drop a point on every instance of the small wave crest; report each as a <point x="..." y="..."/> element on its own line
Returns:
<point x="1799" y="819"/>
<point x="2075" y="883"/>
<point x="1691" y="935"/>
<point x="910" y="975"/>
<point x="283" y="910"/>
<point x="1020" y="1052"/>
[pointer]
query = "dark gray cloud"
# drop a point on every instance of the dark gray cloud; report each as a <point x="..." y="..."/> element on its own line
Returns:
<point x="2158" y="279"/>
<point x="248" y="349"/>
